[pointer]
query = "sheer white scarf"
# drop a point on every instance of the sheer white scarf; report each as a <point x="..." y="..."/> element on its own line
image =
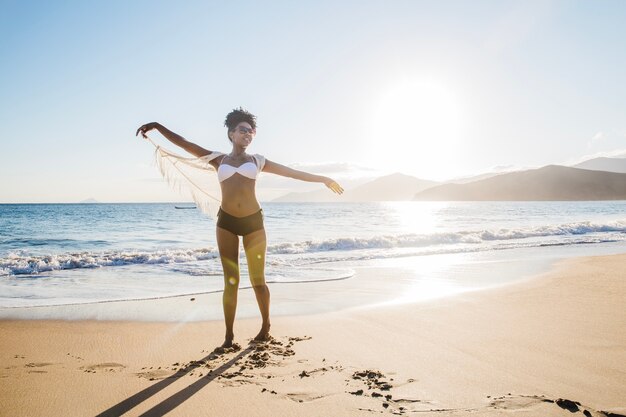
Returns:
<point x="195" y="175"/>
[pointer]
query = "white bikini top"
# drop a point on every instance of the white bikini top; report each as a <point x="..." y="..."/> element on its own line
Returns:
<point x="249" y="169"/>
<point x="197" y="175"/>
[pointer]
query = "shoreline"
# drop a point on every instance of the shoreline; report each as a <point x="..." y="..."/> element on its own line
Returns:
<point x="374" y="283"/>
<point x="513" y="349"/>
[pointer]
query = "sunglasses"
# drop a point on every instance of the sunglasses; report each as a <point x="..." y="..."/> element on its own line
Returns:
<point x="243" y="129"/>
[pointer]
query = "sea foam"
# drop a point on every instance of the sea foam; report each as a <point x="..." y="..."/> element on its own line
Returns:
<point x="18" y="263"/>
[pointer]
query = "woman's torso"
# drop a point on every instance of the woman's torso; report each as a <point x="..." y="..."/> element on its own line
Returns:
<point x="238" y="191"/>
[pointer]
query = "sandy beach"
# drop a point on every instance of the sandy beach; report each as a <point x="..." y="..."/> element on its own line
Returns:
<point x="419" y="207"/>
<point x="551" y="345"/>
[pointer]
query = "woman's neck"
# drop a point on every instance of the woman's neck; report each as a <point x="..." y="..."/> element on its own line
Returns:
<point x="237" y="151"/>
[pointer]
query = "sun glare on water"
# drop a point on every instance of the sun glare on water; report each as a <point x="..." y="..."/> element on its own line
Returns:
<point x="417" y="129"/>
<point x="423" y="218"/>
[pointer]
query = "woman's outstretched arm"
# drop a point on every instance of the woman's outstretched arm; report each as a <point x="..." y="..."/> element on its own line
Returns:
<point x="175" y="138"/>
<point x="278" y="169"/>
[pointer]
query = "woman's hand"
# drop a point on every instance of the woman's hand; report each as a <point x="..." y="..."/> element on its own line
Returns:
<point x="332" y="184"/>
<point x="146" y="128"/>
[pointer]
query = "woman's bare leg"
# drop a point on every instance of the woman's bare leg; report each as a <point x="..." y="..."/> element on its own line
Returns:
<point x="228" y="245"/>
<point x="255" y="245"/>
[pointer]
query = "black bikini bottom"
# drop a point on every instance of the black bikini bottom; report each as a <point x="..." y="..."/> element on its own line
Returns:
<point x="240" y="225"/>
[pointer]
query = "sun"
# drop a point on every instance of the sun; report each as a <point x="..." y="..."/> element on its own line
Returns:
<point x="418" y="127"/>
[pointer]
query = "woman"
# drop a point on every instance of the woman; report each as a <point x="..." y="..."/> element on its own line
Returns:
<point x="240" y="213"/>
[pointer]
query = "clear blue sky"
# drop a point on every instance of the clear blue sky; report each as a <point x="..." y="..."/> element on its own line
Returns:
<point x="434" y="89"/>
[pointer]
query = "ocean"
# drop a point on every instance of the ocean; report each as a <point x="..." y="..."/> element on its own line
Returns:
<point x="53" y="254"/>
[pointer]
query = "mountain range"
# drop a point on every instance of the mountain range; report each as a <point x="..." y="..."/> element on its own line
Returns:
<point x="394" y="187"/>
<point x="595" y="179"/>
<point x="604" y="164"/>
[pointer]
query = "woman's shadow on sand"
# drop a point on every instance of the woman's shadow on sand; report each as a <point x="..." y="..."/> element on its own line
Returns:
<point x="181" y="396"/>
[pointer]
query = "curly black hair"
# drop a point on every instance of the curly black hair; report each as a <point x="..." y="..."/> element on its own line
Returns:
<point x="237" y="116"/>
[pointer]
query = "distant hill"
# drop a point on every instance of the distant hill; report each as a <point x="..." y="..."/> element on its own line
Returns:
<point x="394" y="187"/>
<point x="484" y="176"/>
<point x="604" y="164"/>
<point x="550" y="183"/>
<point x="317" y="196"/>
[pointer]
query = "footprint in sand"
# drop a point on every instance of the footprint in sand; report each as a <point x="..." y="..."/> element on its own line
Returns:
<point x="539" y="404"/>
<point x="37" y="364"/>
<point x="244" y="380"/>
<point x="304" y="397"/>
<point x="154" y="375"/>
<point x="106" y="367"/>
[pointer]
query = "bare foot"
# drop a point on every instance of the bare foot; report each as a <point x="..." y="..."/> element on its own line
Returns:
<point x="264" y="334"/>
<point x="228" y="341"/>
<point x="220" y="350"/>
